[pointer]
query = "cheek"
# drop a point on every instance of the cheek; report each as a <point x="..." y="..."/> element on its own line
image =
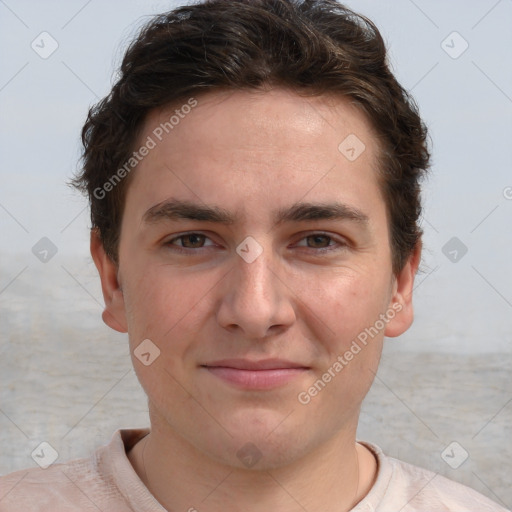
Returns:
<point x="344" y="383"/>
<point x="166" y="305"/>
<point x="351" y="346"/>
<point x="353" y="307"/>
<point x="346" y="303"/>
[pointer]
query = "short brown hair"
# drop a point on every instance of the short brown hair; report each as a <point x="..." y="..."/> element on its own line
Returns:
<point x="311" y="46"/>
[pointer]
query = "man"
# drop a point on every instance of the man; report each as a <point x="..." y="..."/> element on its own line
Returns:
<point x="254" y="186"/>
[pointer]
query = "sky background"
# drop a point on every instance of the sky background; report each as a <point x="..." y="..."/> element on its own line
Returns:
<point x="465" y="97"/>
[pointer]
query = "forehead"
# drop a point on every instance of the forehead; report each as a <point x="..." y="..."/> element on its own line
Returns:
<point x="245" y="142"/>
<point x="260" y="119"/>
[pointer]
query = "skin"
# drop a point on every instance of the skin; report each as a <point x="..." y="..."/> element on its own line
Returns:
<point x="251" y="153"/>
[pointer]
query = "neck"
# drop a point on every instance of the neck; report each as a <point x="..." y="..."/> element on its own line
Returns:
<point x="335" y="477"/>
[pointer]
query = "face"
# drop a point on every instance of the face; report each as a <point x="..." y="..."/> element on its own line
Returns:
<point x="254" y="255"/>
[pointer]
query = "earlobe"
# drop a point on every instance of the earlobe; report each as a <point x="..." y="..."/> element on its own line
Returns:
<point x="114" y="313"/>
<point x="112" y="322"/>
<point x="401" y="300"/>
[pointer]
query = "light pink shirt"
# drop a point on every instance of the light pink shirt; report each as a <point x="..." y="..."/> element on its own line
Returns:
<point x="106" y="481"/>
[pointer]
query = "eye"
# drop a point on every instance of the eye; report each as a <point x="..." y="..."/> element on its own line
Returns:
<point x="321" y="241"/>
<point x="192" y="241"/>
<point x="189" y="241"/>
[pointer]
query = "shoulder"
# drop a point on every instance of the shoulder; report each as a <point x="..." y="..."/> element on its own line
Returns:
<point x="409" y="488"/>
<point x="37" y="489"/>
<point x="88" y="484"/>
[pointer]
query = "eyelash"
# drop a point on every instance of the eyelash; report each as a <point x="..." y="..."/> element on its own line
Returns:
<point x="187" y="250"/>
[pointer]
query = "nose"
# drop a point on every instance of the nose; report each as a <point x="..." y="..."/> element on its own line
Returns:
<point x="256" y="299"/>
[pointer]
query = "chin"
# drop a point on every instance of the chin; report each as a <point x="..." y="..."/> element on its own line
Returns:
<point x="263" y="440"/>
<point x="262" y="454"/>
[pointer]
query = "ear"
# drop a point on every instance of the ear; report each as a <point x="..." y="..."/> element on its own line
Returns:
<point x="114" y="313"/>
<point x="401" y="299"/>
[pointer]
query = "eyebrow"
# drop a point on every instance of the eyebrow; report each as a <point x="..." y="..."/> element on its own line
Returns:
<point x="174" y="209"/>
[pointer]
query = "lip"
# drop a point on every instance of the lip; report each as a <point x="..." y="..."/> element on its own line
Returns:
<point x="263" y="374"/>
<point x="262" y="364"/>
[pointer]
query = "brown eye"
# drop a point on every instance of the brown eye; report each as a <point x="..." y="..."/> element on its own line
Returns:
<point x="189" y="241"/>
<point x="323" y="243"/>
<point x="318" y="241"/>
<point x="192" y="241"/>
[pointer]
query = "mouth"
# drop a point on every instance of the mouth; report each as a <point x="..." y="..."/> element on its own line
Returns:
<point x="256" y="375"/>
